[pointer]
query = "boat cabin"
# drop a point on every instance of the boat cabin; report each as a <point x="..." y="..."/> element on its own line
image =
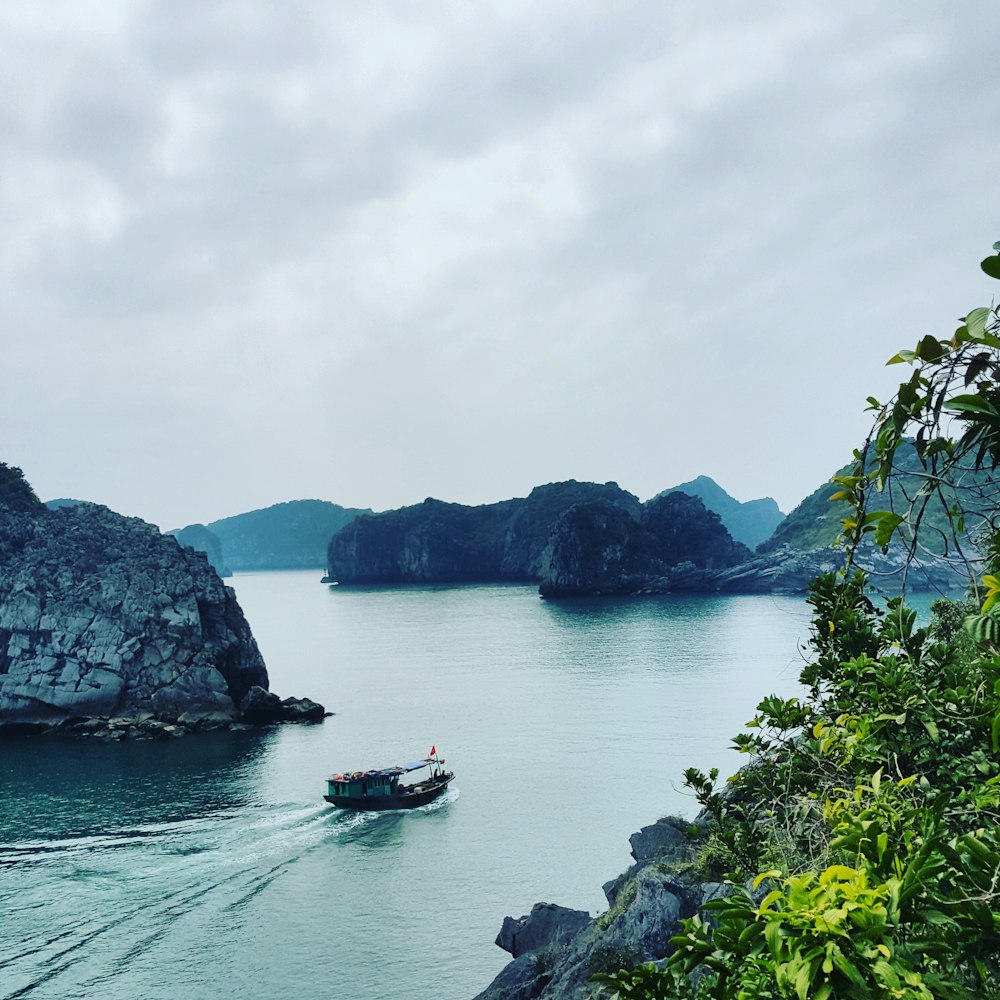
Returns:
<point x="361" y="784"/>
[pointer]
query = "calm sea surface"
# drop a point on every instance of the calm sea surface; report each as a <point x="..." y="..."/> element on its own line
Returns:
<point x="212" y="867"/>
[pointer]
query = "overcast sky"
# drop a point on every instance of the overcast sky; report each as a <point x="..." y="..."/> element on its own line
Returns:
<point x="373" y="252"/>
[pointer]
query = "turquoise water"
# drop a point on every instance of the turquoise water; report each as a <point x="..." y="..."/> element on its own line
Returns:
<point x="211" y="866"/>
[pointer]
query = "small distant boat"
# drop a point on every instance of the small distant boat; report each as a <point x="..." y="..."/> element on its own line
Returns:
<point x="385" y="789"/>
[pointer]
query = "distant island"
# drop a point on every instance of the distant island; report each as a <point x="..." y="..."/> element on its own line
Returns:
<point x="576" y="539"/>
<point x="570" y="537"/>
<point x="292" y="535"/>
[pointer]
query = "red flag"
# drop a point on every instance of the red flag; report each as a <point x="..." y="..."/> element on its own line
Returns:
<point x="433" y="751"/>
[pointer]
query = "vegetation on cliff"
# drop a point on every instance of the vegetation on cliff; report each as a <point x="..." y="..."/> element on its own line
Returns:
<point x="601" y="548"/>
<point x="16" y="493"/>
<point x="817" y="523"/>
<point x="861" y="844"/>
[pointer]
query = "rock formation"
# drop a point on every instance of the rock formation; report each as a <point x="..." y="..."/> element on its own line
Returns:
<point x="103" y="618"/>
<point x="556" y="950"/>
<point x="291" y="535"/>
<point x="599" y="549"/>
<point x="573" y="537"/>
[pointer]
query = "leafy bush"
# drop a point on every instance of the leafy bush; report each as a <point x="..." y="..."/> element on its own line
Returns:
<point x="862" y="840"/>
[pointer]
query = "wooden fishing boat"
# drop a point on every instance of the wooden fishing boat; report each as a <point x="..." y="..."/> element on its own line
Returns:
<point x="385" y="789"/>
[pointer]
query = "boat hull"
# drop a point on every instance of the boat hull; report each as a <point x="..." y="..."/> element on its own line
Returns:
<point x="406" y="800"/>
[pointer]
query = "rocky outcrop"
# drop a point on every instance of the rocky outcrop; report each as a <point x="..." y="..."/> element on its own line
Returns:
<point x="547" y="926"/>
<point x="260" y="706"/>
<point x="199" y="538"/>
<point x="674" y="542"/>
<point x="106" y="623"/>
<point x="437" y="542"/>
<point x="556" y="950"/>
<point x="574" y="538"/>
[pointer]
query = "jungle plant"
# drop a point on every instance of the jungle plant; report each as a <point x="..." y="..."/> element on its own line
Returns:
<point x="876" y="796"/>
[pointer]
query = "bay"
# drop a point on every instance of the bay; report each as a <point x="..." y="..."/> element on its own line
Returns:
<point x="211" y="866"/>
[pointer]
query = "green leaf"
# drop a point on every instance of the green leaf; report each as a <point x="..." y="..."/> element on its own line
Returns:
<point x="931" y="349"/>
<point x="848" y="969"/>
<point x="902" y="357"/>
<point x="991" y="266"/>
<point x="887" y="523"/>
<point x="772" y="873"/>
<point x="969" y="403"/>
<point x="803" y="981"/>
<point x="976" y="321"/>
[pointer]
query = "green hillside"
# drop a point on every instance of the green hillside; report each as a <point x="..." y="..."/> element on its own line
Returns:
<point x="815" y="522"/>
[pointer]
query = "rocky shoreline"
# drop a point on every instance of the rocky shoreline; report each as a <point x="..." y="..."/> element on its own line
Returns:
<point x="556" y="950"/>
<point x="259" y="709"/>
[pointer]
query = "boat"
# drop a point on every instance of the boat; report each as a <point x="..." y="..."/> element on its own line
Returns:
<point x="385" y="788"/>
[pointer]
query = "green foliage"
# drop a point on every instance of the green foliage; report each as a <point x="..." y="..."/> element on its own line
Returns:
<point x="877" y="795"/>
<point x="950" y="405"/>
<point x="605" y="958"/>
<point x="16" y="493"/>
<point x="624" y="899"/>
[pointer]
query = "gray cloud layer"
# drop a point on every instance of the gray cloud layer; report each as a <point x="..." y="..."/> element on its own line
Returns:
<point x="378" y="251"/>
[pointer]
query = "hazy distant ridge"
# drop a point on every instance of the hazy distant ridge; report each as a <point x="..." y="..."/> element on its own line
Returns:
<point x="292" y="535"/>
<point x="750" y="522"/>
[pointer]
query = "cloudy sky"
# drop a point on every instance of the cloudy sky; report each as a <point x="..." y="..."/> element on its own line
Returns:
<point x="372" y="252"/>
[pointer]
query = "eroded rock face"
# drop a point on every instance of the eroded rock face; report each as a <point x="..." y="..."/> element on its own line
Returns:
<point x="672" y="542"/>
<point x="547" y="926"/>
<point x="449" y="542"/>
<point x="556" y="950"/>
<point x="102" y="616"/>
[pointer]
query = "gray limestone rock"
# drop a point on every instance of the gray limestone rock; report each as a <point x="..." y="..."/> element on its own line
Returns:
<point x="261" y="707"/>
<point x="666" y="838"/>
<point x="102" y="617"/>
<point x="546" y="926"/>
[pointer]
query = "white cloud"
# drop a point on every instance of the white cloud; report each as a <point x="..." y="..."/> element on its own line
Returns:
<point x="380" y="251"/>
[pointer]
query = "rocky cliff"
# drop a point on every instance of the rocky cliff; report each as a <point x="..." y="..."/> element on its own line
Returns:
<point x="601" y="548"/>
<point x="103" y="618"/>
<point x="447" y="542"/>
<point x="556" y="950"/>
